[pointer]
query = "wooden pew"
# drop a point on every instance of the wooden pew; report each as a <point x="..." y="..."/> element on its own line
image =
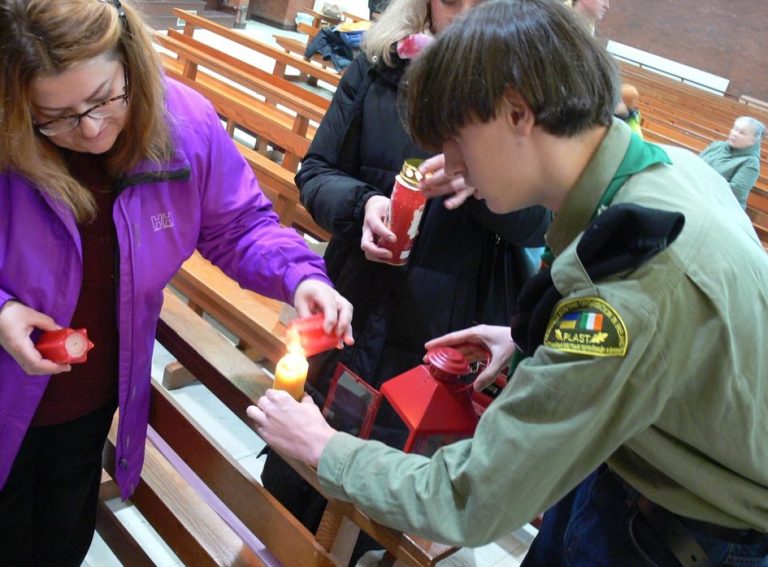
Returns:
<point x="199" y="280"/>
<point x="190" y="523"/>
<point x="320" y="20"/>
<point x="190" y="527"/>
<point x="119" y="540"/>
<point x="283" y="60"/>
<point x="697" y="100"/>
<point x="298" y="47"/>
<point x="678" y="114"/>
<point x="278" y="183"/>
<point x="248" y="76"/>
<point x="353" y="18"/>
<point x="275" y="180"/>
<point x="251" y="114"/>
<point x="252" y="318"/>
<point x="754" y="102"/>
<point x="759" y="220"/>
<point x="310" y="96"/>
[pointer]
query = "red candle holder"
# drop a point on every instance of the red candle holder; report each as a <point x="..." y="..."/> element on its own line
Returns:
<point x="308" y="333"/>
<point x="406" y="206"/>
<point x="64" y="346"/>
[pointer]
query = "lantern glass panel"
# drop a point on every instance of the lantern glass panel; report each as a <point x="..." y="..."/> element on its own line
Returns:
<point x="389" y="427"/>
<point x="352" y="404"/>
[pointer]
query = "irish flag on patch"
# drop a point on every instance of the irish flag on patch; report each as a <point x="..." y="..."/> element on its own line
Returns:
<point x="582" y="321"/>
<point x="590" y="322"/>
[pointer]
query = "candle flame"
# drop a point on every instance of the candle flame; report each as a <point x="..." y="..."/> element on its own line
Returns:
<point x="293" y="342"/>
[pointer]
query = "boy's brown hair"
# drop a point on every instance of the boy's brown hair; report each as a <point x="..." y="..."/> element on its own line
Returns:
<point x="538" y="48"/>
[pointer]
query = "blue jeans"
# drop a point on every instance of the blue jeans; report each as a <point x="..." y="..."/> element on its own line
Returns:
<point x="598" y="524"/>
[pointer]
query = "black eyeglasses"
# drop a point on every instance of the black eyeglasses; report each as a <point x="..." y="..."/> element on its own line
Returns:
<point x="105" y="109"/>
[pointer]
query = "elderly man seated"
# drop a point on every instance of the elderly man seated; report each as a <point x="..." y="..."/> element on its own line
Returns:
<point x="738" y="158"/>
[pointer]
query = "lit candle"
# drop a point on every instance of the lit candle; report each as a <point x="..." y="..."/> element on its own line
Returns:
<point x="291" y="373"/>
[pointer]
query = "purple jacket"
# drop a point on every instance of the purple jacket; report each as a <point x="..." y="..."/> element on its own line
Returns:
<point x="205" y="197"/>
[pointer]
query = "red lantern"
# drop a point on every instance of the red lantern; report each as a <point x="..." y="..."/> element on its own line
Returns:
<point x="435" y="400"/>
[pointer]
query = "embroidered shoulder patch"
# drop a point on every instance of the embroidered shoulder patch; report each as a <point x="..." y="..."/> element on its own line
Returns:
<point x="587" y="325"/>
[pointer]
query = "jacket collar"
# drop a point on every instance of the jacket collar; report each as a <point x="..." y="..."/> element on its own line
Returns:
<point x="177" y="168"/>
<point x="582" y="200"/>
<point x="753" y="150"/>
<point x="392" y="75"/>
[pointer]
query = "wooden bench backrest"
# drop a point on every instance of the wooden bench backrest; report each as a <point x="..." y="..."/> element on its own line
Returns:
<point x="167" y="496"/>
<point x="280" y="56"/>
<point x="237" y="382"/>
<point x="246" y="75"/>
<point x="252" y="318"/>
<point x="298" y="91"/>
<point x="194" y="532"/>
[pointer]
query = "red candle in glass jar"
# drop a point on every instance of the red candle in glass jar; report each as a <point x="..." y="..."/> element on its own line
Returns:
<point x="64" y="346"/>
<point x="406" y="205"/>
<point x="307" y="333"/>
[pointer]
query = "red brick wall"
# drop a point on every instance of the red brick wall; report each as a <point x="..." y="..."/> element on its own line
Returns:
<point x="724" y="37"/>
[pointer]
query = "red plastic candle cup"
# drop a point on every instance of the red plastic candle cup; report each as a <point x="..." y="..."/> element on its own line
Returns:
<point x="308" y="333"/>
<point x="64" y="346"/>
<point x="406" y="205"/>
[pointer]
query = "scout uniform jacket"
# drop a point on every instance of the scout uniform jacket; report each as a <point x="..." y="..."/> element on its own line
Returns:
<point x="674" y="397"/>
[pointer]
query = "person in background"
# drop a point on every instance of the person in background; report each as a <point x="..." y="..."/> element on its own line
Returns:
<point x="110" y="177"/>
<point x="592" y="11"/>
<point x="640" y="416"/>
<point x="628" y="110"/>
<point x="738" y="158"/>
<point x="376" y="8"/>
<point x="467" y="264"/>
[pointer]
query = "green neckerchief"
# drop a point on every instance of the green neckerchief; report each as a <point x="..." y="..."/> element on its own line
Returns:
<point x="640" y="156"/>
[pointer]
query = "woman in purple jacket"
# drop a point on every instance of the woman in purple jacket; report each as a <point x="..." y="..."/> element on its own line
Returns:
<point x="110" y="177"/>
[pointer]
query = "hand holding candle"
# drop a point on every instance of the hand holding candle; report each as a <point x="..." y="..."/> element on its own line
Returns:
<point x="406" y="206"/>
<point x="64" y="346"/>
<point x="291" y="374"/>
<point x="305" y="336"/>
<point x="308" y="335"/>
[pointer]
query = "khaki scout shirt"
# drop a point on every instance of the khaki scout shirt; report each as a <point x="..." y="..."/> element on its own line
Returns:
<point x="682" y="415"/>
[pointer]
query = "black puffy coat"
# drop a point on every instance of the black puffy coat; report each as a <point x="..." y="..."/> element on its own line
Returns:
<point x="466" y="266"/>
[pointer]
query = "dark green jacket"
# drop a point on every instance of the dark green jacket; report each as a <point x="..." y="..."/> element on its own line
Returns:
<point x="741" y="167"/>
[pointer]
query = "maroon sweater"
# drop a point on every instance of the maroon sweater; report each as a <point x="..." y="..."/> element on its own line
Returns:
<point x="93" y="384"/>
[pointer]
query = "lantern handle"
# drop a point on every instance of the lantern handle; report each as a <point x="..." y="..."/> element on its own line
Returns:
<point x="460" y="373"/>
<point x="476" y="355"/>
<point x="478" y="358"/>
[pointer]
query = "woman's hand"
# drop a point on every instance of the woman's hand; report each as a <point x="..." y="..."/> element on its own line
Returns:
<point x="375" y="230"/>
<point x="295" y="429"/>
<point x="437" y="183"/>
<point x="17" y="321"/>
<point x="498" y="341"/>
<point x="312" y="296"/>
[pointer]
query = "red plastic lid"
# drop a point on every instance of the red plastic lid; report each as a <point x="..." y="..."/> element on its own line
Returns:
<point x="446" y="364"/>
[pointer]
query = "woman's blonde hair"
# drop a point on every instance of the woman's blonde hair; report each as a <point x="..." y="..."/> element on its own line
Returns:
<point x="401" y="19"/>
<point x="45" y="38"/>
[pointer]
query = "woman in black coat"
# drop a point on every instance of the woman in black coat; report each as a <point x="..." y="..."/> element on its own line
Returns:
<point x="456" y="272"/>
<point x="467" y="264"/>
